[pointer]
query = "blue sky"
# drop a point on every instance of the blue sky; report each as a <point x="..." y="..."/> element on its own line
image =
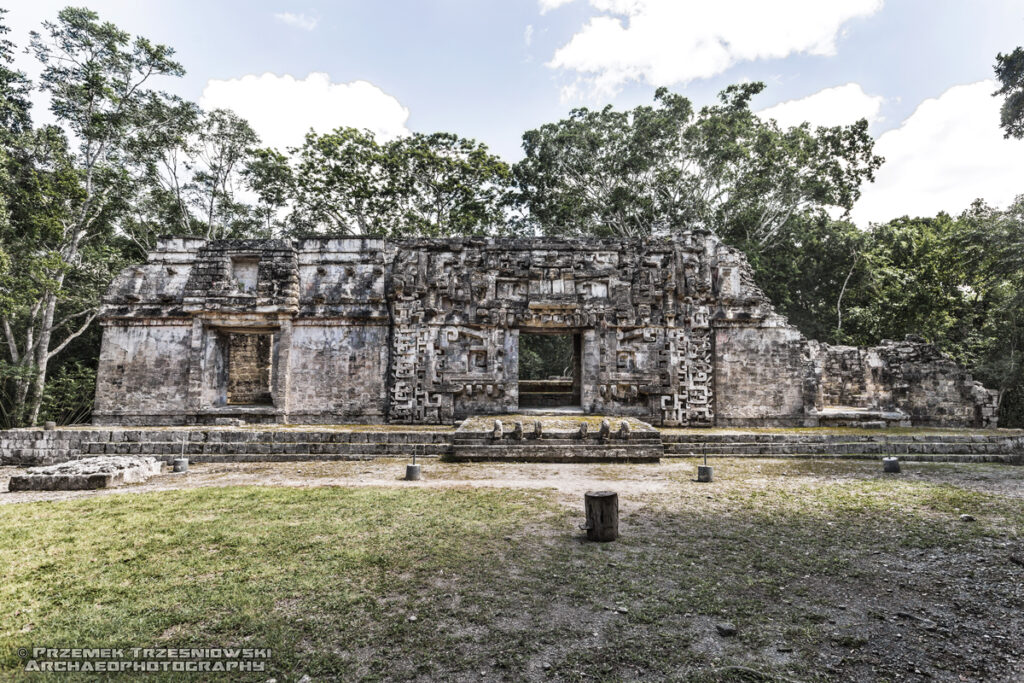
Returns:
<point x="491" y="69"/>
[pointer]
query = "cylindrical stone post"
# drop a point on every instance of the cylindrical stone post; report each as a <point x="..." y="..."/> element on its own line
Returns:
<point x="704" y="473"/>
<point x="412" y="472"/>
<point x="180" y="465"/>
<point x="891" y="465"/>
<point x="602" y="515"/>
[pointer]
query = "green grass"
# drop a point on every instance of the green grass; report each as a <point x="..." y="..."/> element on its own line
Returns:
<point x="313" y="574"/>
<point x="500" y="581"/>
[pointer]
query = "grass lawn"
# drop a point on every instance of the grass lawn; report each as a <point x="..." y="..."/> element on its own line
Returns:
<point x="828" y="570"/>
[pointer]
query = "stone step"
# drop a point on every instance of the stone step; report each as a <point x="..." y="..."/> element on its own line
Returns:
<point x="1004" y="458"/>
<point x="285" y="457"/>
<point x="225" y="436"/>
<point x="838" y="448"/>
<point x="546" y="441"/>
<point x="226" y="448"/>
<point x="557" y="453"/>
<point x="746" y="437"/>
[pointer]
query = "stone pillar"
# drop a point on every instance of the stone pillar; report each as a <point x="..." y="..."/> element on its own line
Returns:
<point x="282" y="370"/>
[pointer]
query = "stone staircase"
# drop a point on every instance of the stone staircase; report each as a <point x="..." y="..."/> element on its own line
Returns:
<point x="935" y="447"/>
<point x="199" y="445"/>
<point x="560" y="439"/>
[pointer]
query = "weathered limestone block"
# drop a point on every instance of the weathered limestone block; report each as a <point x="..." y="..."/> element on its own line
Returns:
<point x="87" y="473"/>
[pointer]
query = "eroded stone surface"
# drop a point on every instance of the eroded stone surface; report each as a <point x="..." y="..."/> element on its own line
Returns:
<point x="86" y="473"/>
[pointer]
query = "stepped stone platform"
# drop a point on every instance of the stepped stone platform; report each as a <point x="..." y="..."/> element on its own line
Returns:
<point x="561" y="438"/>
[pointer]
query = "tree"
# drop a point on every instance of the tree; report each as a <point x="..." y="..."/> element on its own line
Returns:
<point x="1010" y="74"/>
<point x="14" y="120"/>
<point x="441" y="184"/>
<point x="339" y="182"/>
<point x="189" y="172"/>
<point x="70" y="199"/>
<point x="268" y="174"/>
<point x="654" y="170"/>
<point x="225" y="142"/>
<point x="815" y="273"/>
<point x="14" y="88"/>
<point x="162" y="164"/>
<point x="347" y="183"/>
<point x="990" y="245"/>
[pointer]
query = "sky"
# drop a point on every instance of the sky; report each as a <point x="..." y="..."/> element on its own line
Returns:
<point x="920" y="71"/>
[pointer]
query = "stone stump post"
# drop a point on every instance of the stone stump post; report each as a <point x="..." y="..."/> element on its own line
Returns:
<point x="602" y="509"/>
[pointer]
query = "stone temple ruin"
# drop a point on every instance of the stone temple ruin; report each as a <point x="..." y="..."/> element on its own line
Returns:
<point x="427" y="331"/>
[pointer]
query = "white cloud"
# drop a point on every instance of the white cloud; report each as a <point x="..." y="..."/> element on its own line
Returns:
<point x="528" y="35"/>
<point x="665" y="42"/>
<point x="548" y="5"/>
<point x="945" y="155"/>
<point x="838" y="106"/>
<point x="282" y="108"/>
<point x="297" y="20"/>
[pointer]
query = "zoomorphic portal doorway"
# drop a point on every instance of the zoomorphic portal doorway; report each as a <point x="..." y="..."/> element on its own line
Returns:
<point x="550" y="369"/>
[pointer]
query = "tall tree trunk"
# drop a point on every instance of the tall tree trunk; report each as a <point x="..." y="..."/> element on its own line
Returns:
<point x="20" y="400"/>
<point x="842" y="292"/>
<point x="43" y="355"/>
<point x="46" y="333"/>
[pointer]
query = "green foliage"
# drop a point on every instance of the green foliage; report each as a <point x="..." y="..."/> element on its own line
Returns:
<point x="542" y="356"/>
<point x="1010" y="74"/>
<point x="69" y="394"/>
<point x="12" y="378"/>
<point x="346" y="183"/>
<point x="14" y="88"/>
<point x="656" y="170"/>
<point x="63" y="204"/>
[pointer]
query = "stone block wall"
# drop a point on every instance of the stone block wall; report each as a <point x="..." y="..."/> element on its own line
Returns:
<point x="338" y="373"/>
<point x="763" y="377"/>
<point x="143" y="374"/>
<point x="850" y="378"/>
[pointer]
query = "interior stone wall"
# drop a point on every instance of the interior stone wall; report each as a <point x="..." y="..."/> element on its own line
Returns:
<point x="250" y="360"/>
<point x="675" y="332"/>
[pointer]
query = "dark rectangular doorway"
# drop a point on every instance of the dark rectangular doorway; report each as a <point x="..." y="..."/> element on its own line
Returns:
<point x="549" y="369"/>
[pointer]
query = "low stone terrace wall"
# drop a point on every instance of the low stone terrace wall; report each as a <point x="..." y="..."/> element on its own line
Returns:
<point x="27" y="447"/>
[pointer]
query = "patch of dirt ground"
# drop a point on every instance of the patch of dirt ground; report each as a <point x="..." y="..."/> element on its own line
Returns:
<point x="574" y="478"/>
